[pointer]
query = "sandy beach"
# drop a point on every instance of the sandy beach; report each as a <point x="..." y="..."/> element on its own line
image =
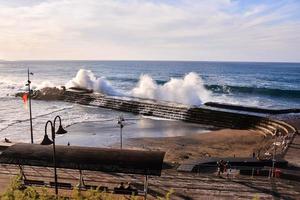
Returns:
<point x="221" y="143"/>
<point x="180" y="140"/>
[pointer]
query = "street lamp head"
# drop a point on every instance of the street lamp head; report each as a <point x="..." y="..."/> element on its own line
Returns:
<point x="61" y="130"/>
<point x="120" y="121"/>
<point x="46" y="140"/>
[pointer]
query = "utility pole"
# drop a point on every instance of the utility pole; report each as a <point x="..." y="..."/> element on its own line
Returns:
<point x="120" y="122"/>
<point x="29" y="99"/>
<point x="274" y="152"/>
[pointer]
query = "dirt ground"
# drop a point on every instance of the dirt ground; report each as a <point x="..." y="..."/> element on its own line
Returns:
<point x="221" y="143"/>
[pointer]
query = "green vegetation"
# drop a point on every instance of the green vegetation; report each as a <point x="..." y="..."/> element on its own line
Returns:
<point x="16" y="191"/>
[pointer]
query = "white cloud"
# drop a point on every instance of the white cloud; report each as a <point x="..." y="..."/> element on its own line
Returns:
<point x="139" y="29"/>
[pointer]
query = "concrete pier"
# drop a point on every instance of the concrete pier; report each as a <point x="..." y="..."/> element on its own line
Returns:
<point x="200" y="115"/>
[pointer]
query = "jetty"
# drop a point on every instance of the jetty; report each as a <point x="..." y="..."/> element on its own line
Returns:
<point x="211" y="114"/>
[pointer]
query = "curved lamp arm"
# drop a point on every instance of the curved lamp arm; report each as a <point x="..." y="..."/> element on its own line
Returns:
<point x="57" y="117"/>
<point x="52" y="128"/>
<point x="46" y="140"/>
<point x="60" y="128"/>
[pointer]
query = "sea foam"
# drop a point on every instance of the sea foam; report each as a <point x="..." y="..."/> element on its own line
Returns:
<point x="86" y="79"/>
<point x="187" y="90"/>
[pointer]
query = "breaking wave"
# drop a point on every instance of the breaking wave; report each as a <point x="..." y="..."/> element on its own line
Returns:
<point x="87" y="80"/>
<point x="190" y="89"/>
<point x="187" y="90"/>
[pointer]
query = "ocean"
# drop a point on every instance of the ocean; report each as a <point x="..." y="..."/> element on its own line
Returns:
<point x="268" y="85"/>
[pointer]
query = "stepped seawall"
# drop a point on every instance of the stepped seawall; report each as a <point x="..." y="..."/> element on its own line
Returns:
<point x="204" y="115"/>
<point x="199" y="115"/>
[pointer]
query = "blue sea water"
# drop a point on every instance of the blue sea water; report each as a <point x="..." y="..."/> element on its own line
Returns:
<point x="271" y="85"/>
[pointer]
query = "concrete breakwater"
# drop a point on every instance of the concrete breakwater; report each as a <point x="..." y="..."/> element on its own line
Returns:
<point x="201" y="115"/>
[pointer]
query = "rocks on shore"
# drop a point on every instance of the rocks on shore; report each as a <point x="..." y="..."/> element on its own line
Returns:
<point x="48" y="93"/>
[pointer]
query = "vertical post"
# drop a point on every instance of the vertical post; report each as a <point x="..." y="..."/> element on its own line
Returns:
<point x="121" y="139"/>
<point x="274" y="154"/>
<point x="30" y="112"/>
<point x="22" y="174"/>
<point x="54" y="162"/>
<point x="47" y="141"/>
<point x="81" y="181"/>
<point x="120" y="122"/>
<point x="146" y="187"/>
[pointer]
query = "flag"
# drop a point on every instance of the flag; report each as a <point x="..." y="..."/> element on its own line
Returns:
<point x="25" y="99"/>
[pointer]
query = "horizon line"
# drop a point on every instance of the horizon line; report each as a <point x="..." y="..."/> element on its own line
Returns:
<point x="142" y="60"/>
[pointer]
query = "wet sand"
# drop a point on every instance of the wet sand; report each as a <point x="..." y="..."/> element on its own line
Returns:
<point x="107" y="133"/>
<point x="221" y="143"/>
<point x="180" y="140"/>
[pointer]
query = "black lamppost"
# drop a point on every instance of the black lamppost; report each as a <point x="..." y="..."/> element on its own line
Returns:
<point x="47" y="141"/>
<point x="29" y="100"/>
<point x="277" y="133"/>
<point x="120" y="122"/>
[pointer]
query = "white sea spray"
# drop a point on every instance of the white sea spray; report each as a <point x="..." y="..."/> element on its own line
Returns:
<point x="86" y="79"/>
<point x="187" y="90"/>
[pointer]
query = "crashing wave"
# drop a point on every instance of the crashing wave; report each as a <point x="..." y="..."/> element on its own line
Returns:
<point x="85" y="79"/>
<point x="187" y="90"/>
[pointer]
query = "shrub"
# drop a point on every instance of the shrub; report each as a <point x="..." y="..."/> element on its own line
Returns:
<point x="16" y="191"/>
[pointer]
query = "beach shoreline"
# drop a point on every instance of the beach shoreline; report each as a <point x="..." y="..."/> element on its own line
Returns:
<point x="220" y="143"/>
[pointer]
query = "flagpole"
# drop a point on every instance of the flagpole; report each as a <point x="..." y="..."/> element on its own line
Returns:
<point x="30" y="113"/>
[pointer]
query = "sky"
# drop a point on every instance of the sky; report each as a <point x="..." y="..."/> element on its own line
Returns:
<point x="208" y="30"/>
